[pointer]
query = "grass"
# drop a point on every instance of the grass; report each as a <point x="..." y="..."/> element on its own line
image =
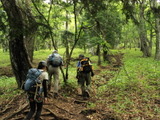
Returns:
<point x="8" y="88"/>
<point x="134" y="87"/>
<point x="136" y="82"/>
<point x="5" y="60"/>
<point x="9" y="84"/>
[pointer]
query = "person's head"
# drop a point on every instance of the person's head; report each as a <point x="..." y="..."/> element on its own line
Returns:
<point x="55" y="51"/>
<point x="81" y="56"/>
<point x="42" y="65"/>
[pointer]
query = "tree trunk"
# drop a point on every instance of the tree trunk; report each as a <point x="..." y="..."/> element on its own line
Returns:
<point x="76" y="38"/>
<point x="150" y="40"/>
<point x="98" y="46"/>
<point x="157" y="54"/>
<point x="143" y="34"/>
<point x="31" y="28"/>
<point x="99" y="54"/>
<point x="156" y="12"/>
<point x="18" y="55"/>
<point x="29" y="42"/>
<point x="105" y="53"/>
<point x="67" y="48"/>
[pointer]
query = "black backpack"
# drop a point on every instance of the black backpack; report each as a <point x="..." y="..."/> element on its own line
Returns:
<point x="85" y="64"/>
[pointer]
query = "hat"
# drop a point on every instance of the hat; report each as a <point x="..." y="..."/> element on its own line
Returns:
<point x="55" y="51"/>
<point x="81" y="55"/>
<point x="42" y="64"/>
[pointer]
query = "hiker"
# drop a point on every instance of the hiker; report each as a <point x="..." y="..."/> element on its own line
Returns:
<point x="36" y="100"/>
<point x="84" y="73"/>
<point x="54" y="62"/>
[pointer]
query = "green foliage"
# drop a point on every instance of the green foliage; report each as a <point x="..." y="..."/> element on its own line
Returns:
<point x="130" y="35"/>
<point x="4" y="61"/>
<point x="136" y="80"/>
<point x="91" y="105"/>
<point x="133" y="88"/>
<point x="42" y="54"/>
<point x="8" y="87"/>
<point x="5" y="83"/>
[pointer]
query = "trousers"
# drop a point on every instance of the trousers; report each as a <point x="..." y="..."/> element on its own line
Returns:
<point x="34" y="107"/>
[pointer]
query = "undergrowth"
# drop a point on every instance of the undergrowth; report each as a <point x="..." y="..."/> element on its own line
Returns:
<point x="130" y="91"/>
<point x="134" y="87"/>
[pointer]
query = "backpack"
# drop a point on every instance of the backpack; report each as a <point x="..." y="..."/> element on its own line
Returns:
<point x="55" y="60"/>
<point x="86" y="67"/>
<point x="32" y="82"/>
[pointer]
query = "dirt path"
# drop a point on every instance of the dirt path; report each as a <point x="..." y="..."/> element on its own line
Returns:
<point x="69" y="107"/>
<point x="63" y="108"/>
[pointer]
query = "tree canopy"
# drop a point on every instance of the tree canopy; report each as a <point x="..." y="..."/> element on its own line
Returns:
<point x="29" y="25"/>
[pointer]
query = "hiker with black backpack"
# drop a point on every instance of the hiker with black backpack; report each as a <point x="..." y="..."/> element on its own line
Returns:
<point x="36" y="88"/>
<point x="54" y="62"/>
<point x="84" y="73"/>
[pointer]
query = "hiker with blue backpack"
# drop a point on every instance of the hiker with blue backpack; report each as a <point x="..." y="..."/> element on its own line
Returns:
<point x="84" y="73"/>
<point x="54" y="62"/>
<point x="36" y="88"/>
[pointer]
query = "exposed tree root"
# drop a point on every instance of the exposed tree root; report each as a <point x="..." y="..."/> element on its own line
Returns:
<point x="7" y="107"/>
<point x="56" y="117"/>
<point x="23" y="107"/>
<point x="61" y="109"/>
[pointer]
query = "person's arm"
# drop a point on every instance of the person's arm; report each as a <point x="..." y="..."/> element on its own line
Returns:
<point x="44" y="84"/>
<point x="78" y="67"/>
<point x="92" y="73"/>
<point x="45" y="87"/>
<point x="62" y="64"/>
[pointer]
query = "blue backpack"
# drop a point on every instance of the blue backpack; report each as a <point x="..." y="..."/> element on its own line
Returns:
<point x="32" y="80"/>
<point x="55" y="60"/>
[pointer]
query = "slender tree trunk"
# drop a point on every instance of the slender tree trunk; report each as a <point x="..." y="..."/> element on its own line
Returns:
<point x="76" y="38"/>
<point x="99" y="54"/>
<point x="67" y="48"/>
<point x="105" y="53"/>
<point x="150" y="41"/>
<point x="49" y="27"/>
<point x="98" y="46"/>
<point x="18" y="55"/>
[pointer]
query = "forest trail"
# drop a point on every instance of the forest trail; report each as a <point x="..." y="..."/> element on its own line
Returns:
<point x="70" y="106"/>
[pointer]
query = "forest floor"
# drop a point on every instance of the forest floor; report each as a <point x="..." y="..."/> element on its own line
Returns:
<point x="69" y="105"/>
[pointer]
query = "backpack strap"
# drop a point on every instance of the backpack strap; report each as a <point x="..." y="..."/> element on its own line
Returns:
<point x="36" y="92"/>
